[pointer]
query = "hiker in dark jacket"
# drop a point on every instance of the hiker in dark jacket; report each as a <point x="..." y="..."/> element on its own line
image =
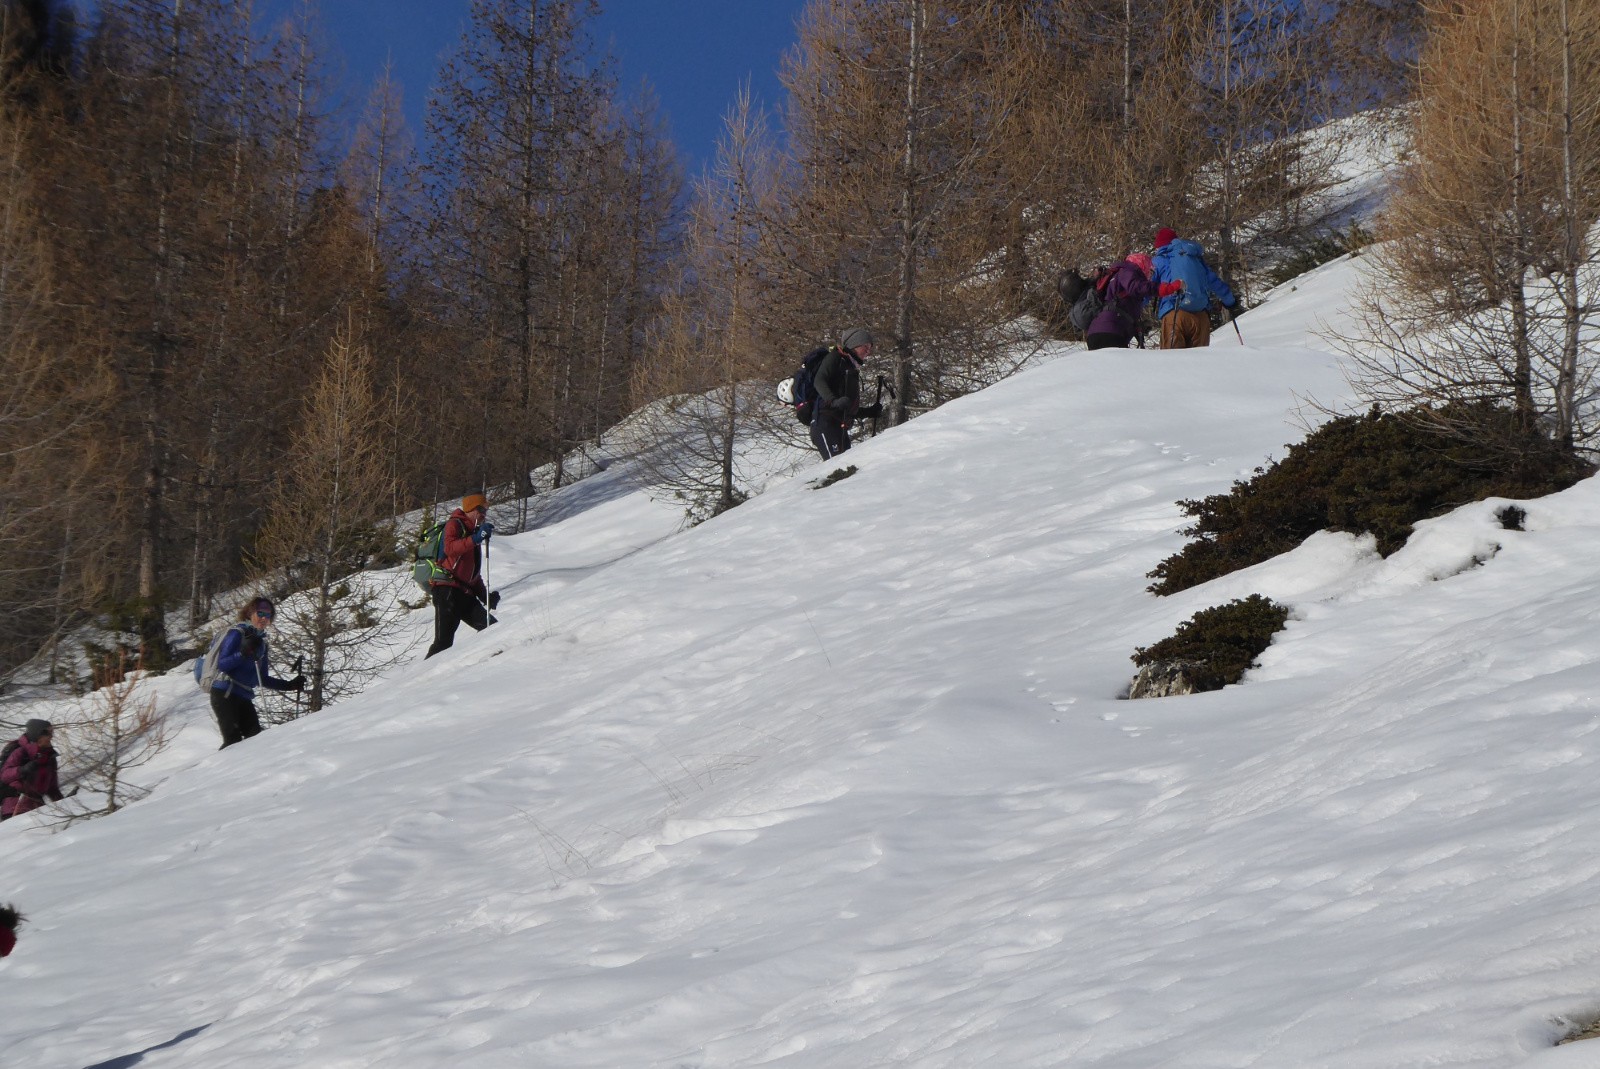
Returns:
<point x="10" y="919"/>
<point x="28" y="774"/>
<point x="1185" y="314"/>
<point x="460" y="595"/>
<point x="242" y="668"/>
<point x="1127" y="289"/>
<point x="838" y="385"/>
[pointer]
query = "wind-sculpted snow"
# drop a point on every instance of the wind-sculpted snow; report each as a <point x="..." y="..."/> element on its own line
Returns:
<point x="841" y="779"/>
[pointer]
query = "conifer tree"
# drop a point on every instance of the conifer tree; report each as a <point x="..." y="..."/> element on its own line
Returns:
<point x="1486" y="284"/>
<point x="897" y="117"/>
<point x="699" y="389"/>
<point x="380" y="175"/>
<point x="117" y="729"/>
<point x="511" y="124"/>
<point x="328" y="522"/>
<point x="56" y="392"/>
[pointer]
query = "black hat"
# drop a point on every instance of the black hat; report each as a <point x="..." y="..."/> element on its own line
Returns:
<point x="36" y="728"/>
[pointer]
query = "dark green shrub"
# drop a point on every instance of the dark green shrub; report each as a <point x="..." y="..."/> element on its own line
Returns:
<point x="1220" y="643"/>
<point x="836" y="475"/>
<point x="1378" y="474"/>
<point x="1314" y="251"/>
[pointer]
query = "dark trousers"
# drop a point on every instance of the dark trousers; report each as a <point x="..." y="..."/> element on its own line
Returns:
<point x="452" y="607"/>
<point x="830" y="439"/>
<point x="236" y="717"/>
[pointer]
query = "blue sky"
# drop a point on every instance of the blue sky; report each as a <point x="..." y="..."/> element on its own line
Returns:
<point x="695" y="52"/>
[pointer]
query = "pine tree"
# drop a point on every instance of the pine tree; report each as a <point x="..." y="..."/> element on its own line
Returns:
<point x="328" y="521"/>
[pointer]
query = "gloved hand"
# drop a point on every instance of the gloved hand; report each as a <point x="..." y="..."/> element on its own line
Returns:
<point x="28" y="770"/>
<point x="494" y="600"/>
<point x="298" y="682"/>
<point x="1167" y="289"/>
<point x="481" y="533"/>
<point x="249" y="645"/>
<point x="839" y="404"/>
<point x="872" y="411"/>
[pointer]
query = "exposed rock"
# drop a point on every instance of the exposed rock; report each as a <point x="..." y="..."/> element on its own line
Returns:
<point x="1163" y="679"/>
<point x="1590" y="1032"/>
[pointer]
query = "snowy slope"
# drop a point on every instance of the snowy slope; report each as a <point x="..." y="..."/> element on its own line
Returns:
<point x="841" y="779"/>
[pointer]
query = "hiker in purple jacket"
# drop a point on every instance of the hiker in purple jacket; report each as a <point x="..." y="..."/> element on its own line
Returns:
<point x="29" y="772"/>
<point x="1126" y="289"/>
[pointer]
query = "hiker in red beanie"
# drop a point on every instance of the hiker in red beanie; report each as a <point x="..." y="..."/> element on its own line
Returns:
<point x="1185" y="315"/>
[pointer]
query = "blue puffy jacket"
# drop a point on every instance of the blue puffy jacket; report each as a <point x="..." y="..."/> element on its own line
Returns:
<point x="1183" y="261"/>
<point x="239" y="672"/>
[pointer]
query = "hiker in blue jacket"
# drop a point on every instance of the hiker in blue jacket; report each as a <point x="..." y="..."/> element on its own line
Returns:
<point x="241" y="668"/>
<point x="1185" y="315"/>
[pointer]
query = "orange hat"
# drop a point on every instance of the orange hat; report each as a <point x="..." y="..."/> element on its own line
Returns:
<point x="474" y="501"/>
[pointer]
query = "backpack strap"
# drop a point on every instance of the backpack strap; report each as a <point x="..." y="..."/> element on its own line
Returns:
<point x="449" y="561"/>
<point x="6" y="790"/>
<point x="227" y="691"/>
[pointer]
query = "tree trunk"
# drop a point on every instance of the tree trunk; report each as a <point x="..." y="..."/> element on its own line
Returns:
<point x="905" y="291"/>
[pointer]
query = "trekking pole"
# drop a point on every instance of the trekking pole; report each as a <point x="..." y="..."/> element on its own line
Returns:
<point x="1235" y="323"/>
<point x="485" y="577"/>
<point x="893" y="396"/>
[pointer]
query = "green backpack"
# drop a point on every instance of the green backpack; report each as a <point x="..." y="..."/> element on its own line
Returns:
<point x="429" y="557"/>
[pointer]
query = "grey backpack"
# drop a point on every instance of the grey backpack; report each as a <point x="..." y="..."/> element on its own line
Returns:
<point x="205" y="666"/>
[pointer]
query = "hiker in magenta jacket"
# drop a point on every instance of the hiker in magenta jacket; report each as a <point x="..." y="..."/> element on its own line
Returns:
<point x="1127" y="289"/>
<point x="10" y="920"/>
<point x="29" y="772"/>
<point x="461" y="595"/>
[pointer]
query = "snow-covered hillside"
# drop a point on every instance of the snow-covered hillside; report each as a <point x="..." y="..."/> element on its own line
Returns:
<point x="841" y="779"/>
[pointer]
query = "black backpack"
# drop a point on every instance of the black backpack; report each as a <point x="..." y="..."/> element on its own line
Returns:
<point x="1070" y="285"/>
<point x="799" y="391"/>
<point x="1091" y="300"/>
<point x="6" y="790"/>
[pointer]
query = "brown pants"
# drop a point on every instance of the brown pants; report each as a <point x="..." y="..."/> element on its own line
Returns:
<point x="1185" y="330"/>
